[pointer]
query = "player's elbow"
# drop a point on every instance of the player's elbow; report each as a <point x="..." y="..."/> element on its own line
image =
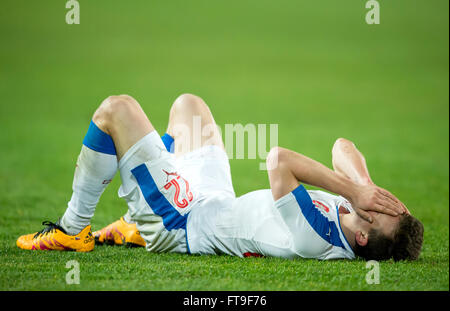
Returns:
<point x="275" y="156"/>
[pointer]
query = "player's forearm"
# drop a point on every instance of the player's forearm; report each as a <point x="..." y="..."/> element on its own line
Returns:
<point x="287" y="168"/>
<point x="350" y="162"/>
<point x="311" y="172"/>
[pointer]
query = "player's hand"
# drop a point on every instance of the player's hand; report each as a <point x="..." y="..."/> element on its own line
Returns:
<point x="405" y="209"/>
<point x="374" y="198"/>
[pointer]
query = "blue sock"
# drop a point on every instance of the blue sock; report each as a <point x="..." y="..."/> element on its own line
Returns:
<point x="96" y="167"/>
<point x="98" y="140"/>
<point x="168" y="142"/>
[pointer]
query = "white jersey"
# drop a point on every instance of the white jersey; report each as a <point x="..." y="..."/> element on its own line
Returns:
<point x="300" y="224"/>
<point x="188" y="205"/>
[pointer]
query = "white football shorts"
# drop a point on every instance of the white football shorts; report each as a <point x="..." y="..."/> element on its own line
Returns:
<point x="161" y="189"/>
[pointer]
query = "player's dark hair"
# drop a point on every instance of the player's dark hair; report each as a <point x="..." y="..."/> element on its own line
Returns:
<point x="408" y="239"/>
<point x="406" y="244"/>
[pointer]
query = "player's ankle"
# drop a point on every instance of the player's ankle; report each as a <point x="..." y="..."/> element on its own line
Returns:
<point x="127" y="219"/>
<point x="69" y="228"/>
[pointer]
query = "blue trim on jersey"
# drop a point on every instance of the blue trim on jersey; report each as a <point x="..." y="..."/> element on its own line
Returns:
<point x="168" y="142"/>
<point x="323" y="227"/>
<point x="172" y="219"/>
<point x="339" y="223"/>
<point x="98" y="140"/>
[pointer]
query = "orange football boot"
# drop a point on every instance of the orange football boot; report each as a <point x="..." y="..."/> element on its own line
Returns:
<point x="54" y="237"/>
<point x="119" y="233"/>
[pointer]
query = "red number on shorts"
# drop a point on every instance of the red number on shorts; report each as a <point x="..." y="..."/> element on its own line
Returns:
<point x="188" y="193"/>
<point x="184" y="203"/>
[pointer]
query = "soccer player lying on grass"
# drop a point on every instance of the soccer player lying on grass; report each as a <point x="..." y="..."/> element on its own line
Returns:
<point x="184" y="201"/>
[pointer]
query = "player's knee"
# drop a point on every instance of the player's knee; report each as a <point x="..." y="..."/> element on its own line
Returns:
<point x="116" y="105"/>
<point x="341" y="140"/>
<point x="188" y="103"/>
<point x="121" y="104"/>
<point x="341" y="143"/>
<point x="188" y="99"/>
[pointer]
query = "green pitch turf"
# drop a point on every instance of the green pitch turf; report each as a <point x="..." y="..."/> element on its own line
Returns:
<point x="315" y="68"/>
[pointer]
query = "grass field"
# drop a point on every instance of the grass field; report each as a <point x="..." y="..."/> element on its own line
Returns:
<point x="313" y="67"/>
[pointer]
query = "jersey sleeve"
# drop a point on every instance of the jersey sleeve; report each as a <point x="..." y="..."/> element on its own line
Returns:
<point x="313" y="234"/>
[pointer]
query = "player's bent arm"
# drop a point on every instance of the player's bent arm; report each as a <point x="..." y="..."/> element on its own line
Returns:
<point x="281" y="178"/>
<point x="350" y="162"/>
<point x="287" y="168"/>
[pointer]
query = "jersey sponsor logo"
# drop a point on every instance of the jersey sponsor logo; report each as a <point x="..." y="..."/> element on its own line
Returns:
<point x="175" y="182"/>
<point x="319" y="205"/>
<point x="319" y="216"/>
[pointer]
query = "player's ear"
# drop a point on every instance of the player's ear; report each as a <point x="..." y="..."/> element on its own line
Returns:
<point x="361" y="238"/>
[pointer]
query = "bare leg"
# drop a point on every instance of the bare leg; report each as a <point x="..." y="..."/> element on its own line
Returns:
<point x="123" y="122"/>
<point x="123" y="119"/>
<point x="192" y="125"/>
